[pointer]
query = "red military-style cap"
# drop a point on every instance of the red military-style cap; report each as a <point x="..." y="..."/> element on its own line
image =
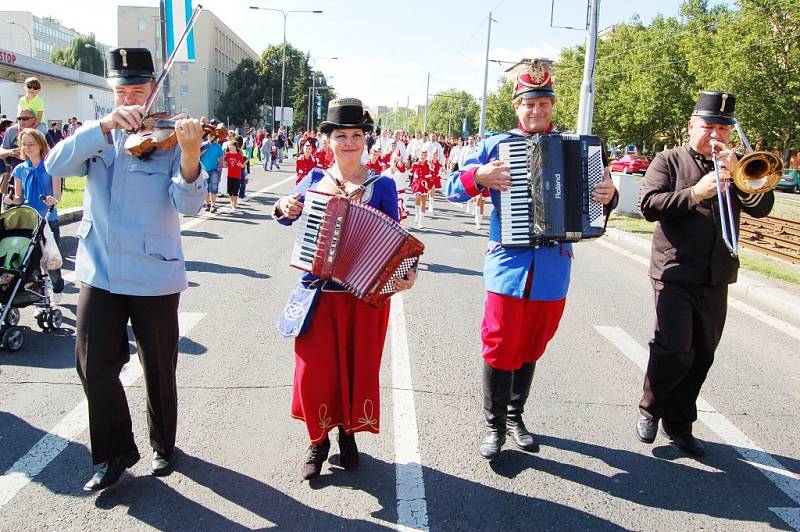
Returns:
<point x="534" y="79"/>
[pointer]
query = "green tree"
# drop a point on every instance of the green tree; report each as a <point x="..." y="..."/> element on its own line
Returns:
<point x="500" y="114"/>
<point x="80" y="57"/>
<point x="240" y="103"/>
<point x="447" y="110"/>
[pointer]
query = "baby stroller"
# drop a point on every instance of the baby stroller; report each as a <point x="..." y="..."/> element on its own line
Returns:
<point x="23" y="281"/>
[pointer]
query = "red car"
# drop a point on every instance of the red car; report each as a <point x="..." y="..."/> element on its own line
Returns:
<point x="630" y="164"/>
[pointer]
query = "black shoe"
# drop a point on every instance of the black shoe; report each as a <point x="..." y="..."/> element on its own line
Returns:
<point x="348" y="450"/>
<point x="492" y="444"/>
<point x="687" y="443"/>
<point x="111" y="470"/>
<point x="317" y="454"/>
<point x="162" y="465"/>
<point x="521" y="436"/>
<point x="646" y="429"/>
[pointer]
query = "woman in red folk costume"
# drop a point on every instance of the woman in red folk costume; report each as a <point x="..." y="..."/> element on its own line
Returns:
<point x="421" y="185"/>
<point x="305" y="163"/>
<point x="338" y="358"/>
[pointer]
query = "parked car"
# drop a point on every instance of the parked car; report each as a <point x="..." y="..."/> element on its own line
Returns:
<point x="630" y="164"/>
<point x="790" y="181"/>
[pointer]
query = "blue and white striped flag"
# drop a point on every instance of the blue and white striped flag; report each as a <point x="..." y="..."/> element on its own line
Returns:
<point x="177" y="14"/>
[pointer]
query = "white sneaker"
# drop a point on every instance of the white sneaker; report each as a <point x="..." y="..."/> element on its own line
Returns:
<point x="57" y="297"/>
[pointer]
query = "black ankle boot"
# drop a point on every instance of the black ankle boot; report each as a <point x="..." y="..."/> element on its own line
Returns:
<point x="520" y="389"/>
<point x="348" y="450"/>
<point x="317" y="454"/>
<point x="496" y="389"/>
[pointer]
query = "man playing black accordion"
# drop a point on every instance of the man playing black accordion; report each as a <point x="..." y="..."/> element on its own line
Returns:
<point x="526" y="286"/>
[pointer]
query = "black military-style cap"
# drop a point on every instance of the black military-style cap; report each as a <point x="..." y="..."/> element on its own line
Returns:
<point x="716" y="107"/>
<point x="131" y="66"/>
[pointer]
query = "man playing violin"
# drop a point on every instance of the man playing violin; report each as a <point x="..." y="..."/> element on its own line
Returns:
<point x="690" y="268"/>
<point x="130" y="264"/>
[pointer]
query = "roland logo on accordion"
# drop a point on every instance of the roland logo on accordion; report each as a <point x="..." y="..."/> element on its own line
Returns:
<point x="550" y="198"/>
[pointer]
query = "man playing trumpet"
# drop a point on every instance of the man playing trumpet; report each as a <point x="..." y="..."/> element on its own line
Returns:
<point x="690" y="267"/>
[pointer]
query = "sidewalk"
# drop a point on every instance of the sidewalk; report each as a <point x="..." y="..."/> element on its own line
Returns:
<point x="779" y="299"/>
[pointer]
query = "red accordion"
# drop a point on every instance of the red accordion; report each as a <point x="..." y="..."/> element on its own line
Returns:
<point x="354" y="245"/>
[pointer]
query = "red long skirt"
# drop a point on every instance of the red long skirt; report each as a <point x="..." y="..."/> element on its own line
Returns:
<point x="337" y="366"/>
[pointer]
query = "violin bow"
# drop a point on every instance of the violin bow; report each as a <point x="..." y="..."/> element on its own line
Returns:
<point x="170" y="60"/>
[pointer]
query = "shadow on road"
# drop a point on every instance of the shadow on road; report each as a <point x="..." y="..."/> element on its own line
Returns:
<point x="153" y="502"/>
<point x="733" y="490"/>
<point x="210" y="267"/>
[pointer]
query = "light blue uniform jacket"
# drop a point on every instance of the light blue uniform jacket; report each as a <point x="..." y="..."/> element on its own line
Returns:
<point x="130" y="235"/>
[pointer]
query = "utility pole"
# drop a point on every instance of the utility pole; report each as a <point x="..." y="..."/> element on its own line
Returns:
<point x="166" y="91"/>
<point x="586" y="106"/>
<point x="482" y="127"/>
<point x="427" y="91"/>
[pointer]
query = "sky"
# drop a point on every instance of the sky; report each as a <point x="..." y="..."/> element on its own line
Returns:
<point x="386" y="49"/>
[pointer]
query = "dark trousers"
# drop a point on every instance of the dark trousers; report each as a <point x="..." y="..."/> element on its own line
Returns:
<point x="689" y="323"/>
<point x="101" y="349"/>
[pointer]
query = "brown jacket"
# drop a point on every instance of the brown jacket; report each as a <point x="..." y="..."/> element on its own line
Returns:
<point x="687" y="241"/>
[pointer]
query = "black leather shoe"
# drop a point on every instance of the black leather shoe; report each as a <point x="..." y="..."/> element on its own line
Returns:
<point x="348" y="450"/>
<point x="521" y="436"/>
<point x="492" y="444"/>
<point x="646" y="429"/>
<point x="688" y="444"/>
<point x="162" y="465"/>
<point x="111" y="470"/>
<point x="317" y="454"/>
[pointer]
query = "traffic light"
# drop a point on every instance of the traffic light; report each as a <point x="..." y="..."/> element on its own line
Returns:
<point x="319" y="107"/>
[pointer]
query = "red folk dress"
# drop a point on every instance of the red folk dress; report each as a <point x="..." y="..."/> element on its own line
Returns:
<point x="338" y="359"/>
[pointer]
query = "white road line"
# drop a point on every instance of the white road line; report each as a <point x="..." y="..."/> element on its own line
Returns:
<point x="70" y="427"/>
<point x="739" y="305"/>
<point x="785" y="480"/>
<point x="71" y="277"/>
<point x="412" y="509"/>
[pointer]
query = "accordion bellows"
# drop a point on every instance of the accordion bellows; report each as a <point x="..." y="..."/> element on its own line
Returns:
<point x="355" y="245"/>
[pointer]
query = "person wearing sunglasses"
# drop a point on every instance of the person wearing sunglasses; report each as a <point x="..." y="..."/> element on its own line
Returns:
<point x="10" y="152"/>
<point x="34" y="102"/>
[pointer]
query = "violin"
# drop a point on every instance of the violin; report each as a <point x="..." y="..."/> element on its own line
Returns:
<point x="158" y="133"/>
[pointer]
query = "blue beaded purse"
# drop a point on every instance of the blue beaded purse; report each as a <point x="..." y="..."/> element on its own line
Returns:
<point x="296" y="316"/>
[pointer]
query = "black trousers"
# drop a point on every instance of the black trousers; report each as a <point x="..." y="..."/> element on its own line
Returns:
<point x="101" y="349"/>
<point x="689" y="324"/>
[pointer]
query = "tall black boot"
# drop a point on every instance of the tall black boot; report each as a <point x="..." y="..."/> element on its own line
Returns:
<point x="520" y="389"/>
<point x="496" y="390"/>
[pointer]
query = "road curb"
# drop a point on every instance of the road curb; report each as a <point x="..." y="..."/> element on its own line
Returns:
<point x="767" y="295"/>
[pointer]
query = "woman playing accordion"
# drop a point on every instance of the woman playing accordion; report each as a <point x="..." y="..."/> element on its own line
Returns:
<point x="337" y="359"/>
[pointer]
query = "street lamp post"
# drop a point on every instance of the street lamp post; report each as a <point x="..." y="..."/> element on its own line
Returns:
<point x="102" y="54"/>
<point x="283" y="58"/>
<point x="30" y="39"/>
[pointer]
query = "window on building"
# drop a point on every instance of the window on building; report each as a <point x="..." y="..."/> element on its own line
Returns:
<point x="142" y="24"/>
<point x="184" y="90"/>
<point x="184" y="69"/>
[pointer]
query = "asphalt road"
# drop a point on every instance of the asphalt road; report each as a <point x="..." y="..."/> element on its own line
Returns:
<point x="241" y="453"/>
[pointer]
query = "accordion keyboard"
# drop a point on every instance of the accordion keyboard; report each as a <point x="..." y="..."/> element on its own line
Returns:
<point x="515" y="203"/>
<point x="305" y="246"/>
